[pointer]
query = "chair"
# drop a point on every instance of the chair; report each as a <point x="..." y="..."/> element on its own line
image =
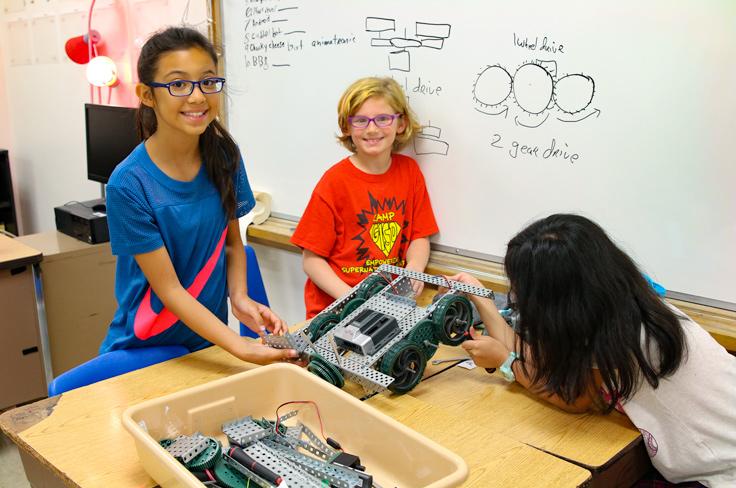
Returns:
<point x="658" y="289"/>
<point x="111" y="364"/>
<point x="256" y="290"/>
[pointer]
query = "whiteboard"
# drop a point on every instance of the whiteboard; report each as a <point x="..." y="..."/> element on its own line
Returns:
<point x="622" y="111"/>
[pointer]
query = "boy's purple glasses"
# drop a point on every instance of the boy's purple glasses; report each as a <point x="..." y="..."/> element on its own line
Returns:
<point x="381" y="120"/>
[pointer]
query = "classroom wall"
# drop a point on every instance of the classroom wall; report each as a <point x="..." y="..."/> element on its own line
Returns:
<point x="284" y="280"/>
<point x="42" y="93"/>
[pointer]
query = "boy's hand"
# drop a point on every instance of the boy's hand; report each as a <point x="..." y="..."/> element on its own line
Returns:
<point x="417" y="286"/>
<point x="257" y="317"/>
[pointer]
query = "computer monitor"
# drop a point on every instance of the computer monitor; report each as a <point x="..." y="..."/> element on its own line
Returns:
<point x="111" y="136"/>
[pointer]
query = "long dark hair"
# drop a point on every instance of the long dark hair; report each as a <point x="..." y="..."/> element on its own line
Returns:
<point x="217" y="148"/>
<point x="582" y="304"/>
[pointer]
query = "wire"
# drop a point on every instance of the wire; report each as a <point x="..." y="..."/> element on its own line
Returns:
<point x="77" y="202"/>
<point x="388" y="278"/>
<point x="309" y="402"/>
<point x="449" y="283"/>
<point x="89" y="47"/>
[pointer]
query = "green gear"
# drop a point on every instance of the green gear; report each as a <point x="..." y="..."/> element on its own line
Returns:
<point x="371" y="286"/>
<point x="324" y="369"/>
<point x="207" y="458"/>
<point x="350" y="307"/>
<point x="452" y="319"/>
<point x="405" y="362"/>
<point x="227" y="476"/>
<point x="321" y="324"/>
<point x="423" y="334"/>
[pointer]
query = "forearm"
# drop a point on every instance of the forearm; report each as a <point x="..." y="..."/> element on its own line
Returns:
<point x="235" y="261"/>
<point x="581" y="405"/>
<point x="495" y="323"/>
<point x="320" y="272"/>
<point x="417" y="254"/>
<point x="198" y="318"/>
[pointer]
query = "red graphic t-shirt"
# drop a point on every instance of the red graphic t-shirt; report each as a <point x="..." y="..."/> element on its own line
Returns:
<point x="359" y="221"/>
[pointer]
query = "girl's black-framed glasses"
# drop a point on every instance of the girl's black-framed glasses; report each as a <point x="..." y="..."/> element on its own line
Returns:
<point x="184" y="88"/>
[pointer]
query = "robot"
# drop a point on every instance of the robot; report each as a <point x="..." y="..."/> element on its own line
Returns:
<point x="377" y="336"/>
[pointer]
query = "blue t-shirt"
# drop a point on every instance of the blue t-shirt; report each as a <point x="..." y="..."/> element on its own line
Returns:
<point x="146" y="210"/>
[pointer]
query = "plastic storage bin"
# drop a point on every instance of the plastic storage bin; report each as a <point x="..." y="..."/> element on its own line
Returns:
<point x="395" y="455"/>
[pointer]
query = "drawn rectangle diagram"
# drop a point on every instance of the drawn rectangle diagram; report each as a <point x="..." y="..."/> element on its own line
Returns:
<point x="423" y="145"/>
<point x="399" y="61"/>
<point x="378" y="42"/>
<point x="379" y="24"/>
<point x="433" y="30"/>
<point x="433" y="43"/>
<point x="431" y="131"/>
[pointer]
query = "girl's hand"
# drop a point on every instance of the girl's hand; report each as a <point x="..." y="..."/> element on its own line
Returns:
<point x="259" y="318"/>
<point x="485" y="351"/>
<point x="465" y="278"/>
<point x="257" y="353"/>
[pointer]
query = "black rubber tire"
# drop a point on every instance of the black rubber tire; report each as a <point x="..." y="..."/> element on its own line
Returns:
<point x="350" y="307"/>
<point x="452" y="319"/>
<point x="371" y="286"/>
<point x="321" y="324"/>
<point x="405" y="362"/>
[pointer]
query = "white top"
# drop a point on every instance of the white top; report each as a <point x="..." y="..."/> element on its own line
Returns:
<point x="689" y="421"/>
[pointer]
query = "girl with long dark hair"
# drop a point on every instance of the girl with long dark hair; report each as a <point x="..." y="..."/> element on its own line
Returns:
<point x="592" y="334"/>
<point x="173" y="209"/>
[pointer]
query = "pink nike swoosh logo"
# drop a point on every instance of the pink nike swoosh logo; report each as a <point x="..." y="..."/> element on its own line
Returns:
<point x="148" y="323"/>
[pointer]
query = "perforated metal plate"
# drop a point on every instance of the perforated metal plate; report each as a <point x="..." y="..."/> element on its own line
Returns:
<point x="437" y="281"/>
<point x="296" y="341"/>
<point x="338" y="476"/>
<point x="245" y="472"/>
<point x="186" y="448"/>
<point x="317" y="441"/>
<point x="293" y="474"/>
<point x="244" y="431"/>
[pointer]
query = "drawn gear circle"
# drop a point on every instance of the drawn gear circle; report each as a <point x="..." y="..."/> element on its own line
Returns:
<point x="405" y="362"/>
<point x="452" y="319"/>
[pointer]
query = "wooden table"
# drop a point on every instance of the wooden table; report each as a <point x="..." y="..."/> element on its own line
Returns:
<point x="609" y="446"/>
<point x="77" y="439"/>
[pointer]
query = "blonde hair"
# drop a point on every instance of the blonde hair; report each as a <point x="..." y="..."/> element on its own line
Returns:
<point x="387" y="89"/>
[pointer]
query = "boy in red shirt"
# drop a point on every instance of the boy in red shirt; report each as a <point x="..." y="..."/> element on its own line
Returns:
<point x="372" y="207"/>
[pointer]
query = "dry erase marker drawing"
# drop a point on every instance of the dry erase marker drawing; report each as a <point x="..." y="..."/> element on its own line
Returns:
<point x="428" y="142"/>
<point x="533" y="93"/>
<point x="426" y="35"/>
<point x="271" y="38"/>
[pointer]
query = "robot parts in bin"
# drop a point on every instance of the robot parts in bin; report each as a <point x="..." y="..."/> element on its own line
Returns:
<point x="377" y="336"/>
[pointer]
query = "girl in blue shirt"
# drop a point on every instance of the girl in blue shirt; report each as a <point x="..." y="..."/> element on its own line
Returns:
<point x="173" y="209"/>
